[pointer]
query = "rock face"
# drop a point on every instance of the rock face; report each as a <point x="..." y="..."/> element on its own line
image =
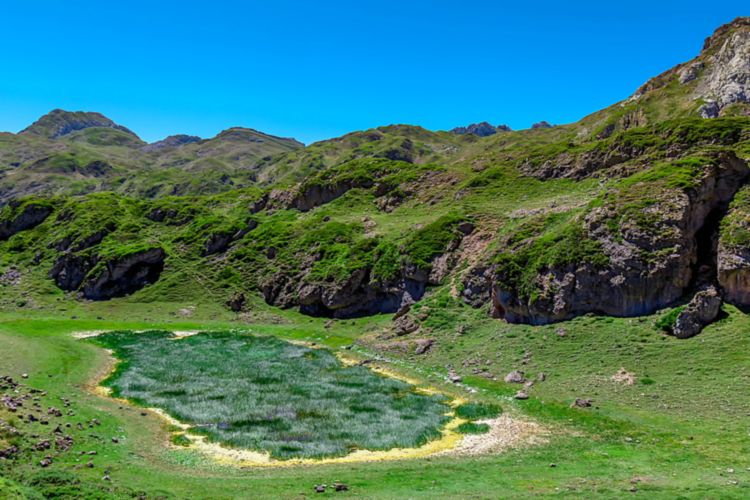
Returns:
<point x="482" y="129"/>
<point x="219" y="241"/>
<point x="21" y="217"/>
<point x="125" y="275"/>
<point x="700" y="312"/>
<point x="357" y="296"/>
<point x="734" y="275"/>
<point x="646" y="268"/>
<point x="70" y="270"/>
<point x="726" y="79"/>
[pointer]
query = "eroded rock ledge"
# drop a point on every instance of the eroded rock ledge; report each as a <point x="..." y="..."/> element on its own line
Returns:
<point x="631" y="253"/>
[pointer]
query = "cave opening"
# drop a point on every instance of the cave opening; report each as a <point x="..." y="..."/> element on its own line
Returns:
<point x="704" y="269"/>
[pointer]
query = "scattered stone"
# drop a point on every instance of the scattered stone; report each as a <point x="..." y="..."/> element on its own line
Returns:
<point x="521" y="395"/>
<point x="561" y="332"/>
<point x="320" y="488"/>
<point x="9" y="453"/>
<point x="405" y="325"/>
<point x="423" y="345"/>
<point x="581" y="403"/>
<point x="24" y="375"/>
<point x="90" y="465"/>
<point x="454" y="377"/>
<point x="515" y="377"/>
<point x="46" y="461"/>
<point x="541" y="377"/>
<point x="340" y="486"/>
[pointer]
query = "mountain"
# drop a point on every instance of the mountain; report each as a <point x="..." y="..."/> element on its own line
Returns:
<point x="638" y="207"/>
<point x="58" y="123"/>
<point x="81" y="152"/>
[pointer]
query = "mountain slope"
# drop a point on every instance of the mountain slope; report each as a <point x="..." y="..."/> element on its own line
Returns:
<point x="618" y="214"/>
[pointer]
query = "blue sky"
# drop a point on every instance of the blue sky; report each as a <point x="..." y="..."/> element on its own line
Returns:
<point x="318" y="69"/>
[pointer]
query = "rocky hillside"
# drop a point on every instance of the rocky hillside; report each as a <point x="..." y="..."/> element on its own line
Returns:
<point x="639" y="207"/>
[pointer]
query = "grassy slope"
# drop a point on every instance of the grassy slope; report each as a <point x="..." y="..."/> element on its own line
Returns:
<point x="630" y="434"/>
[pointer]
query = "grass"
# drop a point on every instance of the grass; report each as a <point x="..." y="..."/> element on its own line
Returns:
<point x="264" y="394"/>
<point x="678" y="445"/>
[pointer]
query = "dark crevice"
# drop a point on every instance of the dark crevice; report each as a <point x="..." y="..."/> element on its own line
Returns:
<point x="704" y="270"/>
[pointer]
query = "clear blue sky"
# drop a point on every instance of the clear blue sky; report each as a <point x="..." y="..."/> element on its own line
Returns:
<point x="318" y="69"/>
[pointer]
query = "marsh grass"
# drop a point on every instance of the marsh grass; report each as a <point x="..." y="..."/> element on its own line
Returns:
<point x="265" y="394"/>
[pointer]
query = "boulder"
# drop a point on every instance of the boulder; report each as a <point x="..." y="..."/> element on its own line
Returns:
<point x="700" y="312"/>
<point x="581" y="403"/>
<point x="405" y="325"/>
<point x="515" y="377"/>
<point x="423" y="345"/>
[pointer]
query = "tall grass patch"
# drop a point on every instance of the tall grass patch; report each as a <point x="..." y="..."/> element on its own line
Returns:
<point x="265" y="394"/>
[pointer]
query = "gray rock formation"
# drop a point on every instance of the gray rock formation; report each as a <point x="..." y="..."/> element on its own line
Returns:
<point x="482" y="129"/>
<point x="647" y="269"/>
<point x="701" y="311"/>
<point x="542" y="124"/>
<point x="20" y="217"/>
<point x="125" y="275"/>
<point x="734" y="274"/>
<point x="726" y="79"/>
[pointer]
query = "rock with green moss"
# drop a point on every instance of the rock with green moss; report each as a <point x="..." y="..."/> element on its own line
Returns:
<point x="631" y="252"/>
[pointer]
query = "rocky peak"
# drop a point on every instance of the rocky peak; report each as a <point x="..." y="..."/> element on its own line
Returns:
<point x="726" y="56"/>
<point x="483" y="129"/>
<point x="542" y="124"/>
<point x="173" y="141"/>
<point x="720" y="74"/>
<point x="58" y="123"/>
<point x="242" y="134"/>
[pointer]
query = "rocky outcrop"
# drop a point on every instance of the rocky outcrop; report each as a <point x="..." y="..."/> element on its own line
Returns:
<point x="647" y="267"/>
<point x="734" y="274"/>
<point x="701" y="311"/>
<point x="482" y="129"/>
<point x="124" y="275"/>
<point x="219" y="241"/>
<point x="71" y="269"/>
<point x="358" y="296"/>
<point x="726" y="78"/>
<point x="542" y="124"/>
<point x="720" y="74"/>
<point x="20" y="216"/>
<point x="173" y="141"/>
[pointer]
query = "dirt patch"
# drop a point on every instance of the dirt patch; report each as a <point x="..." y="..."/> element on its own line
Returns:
<point x="505" y="433"/>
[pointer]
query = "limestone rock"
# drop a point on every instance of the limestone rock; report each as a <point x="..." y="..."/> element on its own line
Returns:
<point x="515" y="377"/>
<point x="647" y="268"/>
<point x="700" y="312"/>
